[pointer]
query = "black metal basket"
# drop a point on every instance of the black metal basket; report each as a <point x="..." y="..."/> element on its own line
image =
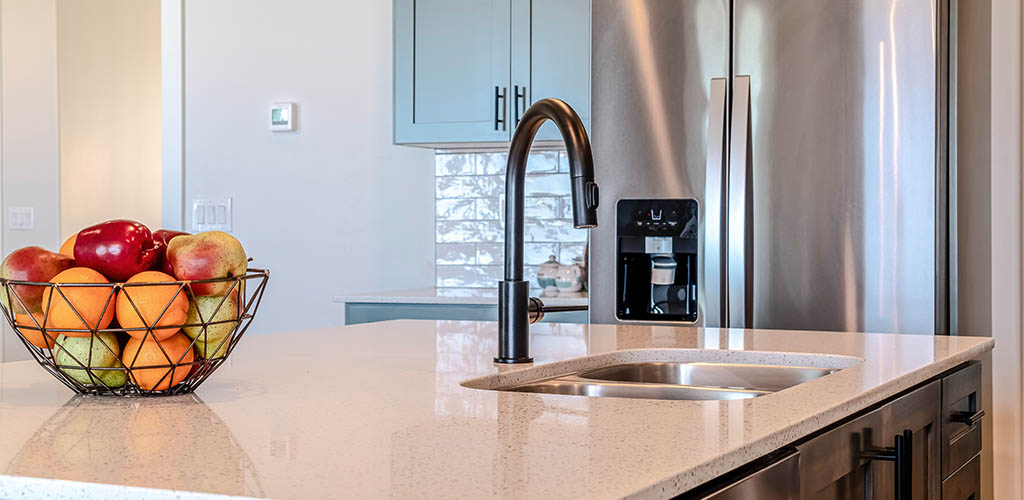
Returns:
<point x="102" y="364"/>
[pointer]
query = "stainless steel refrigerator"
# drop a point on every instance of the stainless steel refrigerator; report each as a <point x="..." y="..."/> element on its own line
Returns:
<point x="810" y="139"/>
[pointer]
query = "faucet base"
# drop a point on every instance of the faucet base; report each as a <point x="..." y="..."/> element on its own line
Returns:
<point x="513" y="322"/>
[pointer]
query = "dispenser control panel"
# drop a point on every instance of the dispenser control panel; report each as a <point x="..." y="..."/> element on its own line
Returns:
<point x="673" y="218"/>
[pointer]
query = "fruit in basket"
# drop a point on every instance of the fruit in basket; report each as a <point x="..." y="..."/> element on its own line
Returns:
<point x="68" y="248"/>
<point x="72" y="355"/>
<point x="119" y="249"/>
<point x="152" y="306"/>
<point x="32" y="333"/>
<point x="212" y="348"/>
<point x="213" y="254"/>
<point x="149" y="362"/>
<point x="68" y="306"/>
<point x="162" y="238"/>
<point x="213" y="309"/>
<point x="30" y="264"/>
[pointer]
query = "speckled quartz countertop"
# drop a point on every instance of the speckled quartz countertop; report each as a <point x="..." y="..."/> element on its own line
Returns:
<point x="476" y="296"/>
<point x="376" y="411"/>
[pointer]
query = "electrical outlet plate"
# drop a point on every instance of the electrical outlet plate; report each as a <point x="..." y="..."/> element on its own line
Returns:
<point x="211" y="214"/>
<point x="21" y="218"/>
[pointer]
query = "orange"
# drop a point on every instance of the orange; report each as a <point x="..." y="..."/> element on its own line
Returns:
<point x="95" y="304"/>
<point x="139" y="355"/>
<point x="160" y="305"/>
<point x="31" y="333"/>
<point x="68" y="248"/>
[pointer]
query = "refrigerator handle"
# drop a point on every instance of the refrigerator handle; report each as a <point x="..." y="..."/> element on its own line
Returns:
<point x="740" y="233"/>
<point x="714" y="180"/>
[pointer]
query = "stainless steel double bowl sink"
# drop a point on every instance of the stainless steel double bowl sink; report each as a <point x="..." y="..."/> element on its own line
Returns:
<point x="668" y="379"/>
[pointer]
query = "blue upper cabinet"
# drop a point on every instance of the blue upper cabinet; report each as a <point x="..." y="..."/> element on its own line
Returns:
<point x="465" y="70"/>
<point x="551" y="56"/>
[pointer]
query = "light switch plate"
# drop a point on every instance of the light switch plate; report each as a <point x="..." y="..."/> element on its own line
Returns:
<point x="211" y="214"/>
<point x="21" y="218"/>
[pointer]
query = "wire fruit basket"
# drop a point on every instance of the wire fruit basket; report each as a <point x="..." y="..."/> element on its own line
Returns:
<point x="169" y="351"/>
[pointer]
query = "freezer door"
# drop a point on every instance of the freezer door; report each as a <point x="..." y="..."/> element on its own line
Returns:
<point x="842" y="173"/>
<point x="653" y="64"/>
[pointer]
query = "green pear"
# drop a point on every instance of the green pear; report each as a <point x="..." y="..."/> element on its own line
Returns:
<point x="72" y="353"/>
<point x="213" y="308"/>
<point x="221" y="345"/>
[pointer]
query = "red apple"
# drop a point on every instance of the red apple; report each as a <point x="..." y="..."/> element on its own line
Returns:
<point x="31" y="264"/>
<point x="161" y="238"/>
<point x="213" y="254"/>
<point x="119" y="249"/>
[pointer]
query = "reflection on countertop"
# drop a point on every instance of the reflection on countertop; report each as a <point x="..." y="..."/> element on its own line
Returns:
<point x="377" y="410"/>
<point x="475" y="296"/>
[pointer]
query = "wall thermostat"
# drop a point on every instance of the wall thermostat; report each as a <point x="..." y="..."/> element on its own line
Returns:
<point x="282" y="117"/>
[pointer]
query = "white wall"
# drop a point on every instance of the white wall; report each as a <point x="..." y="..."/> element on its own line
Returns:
<point x="29" y="142"/>
<point x="109" y="91"/>
<point x="334" y="208"/>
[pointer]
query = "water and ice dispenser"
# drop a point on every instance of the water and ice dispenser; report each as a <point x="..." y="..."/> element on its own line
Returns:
<point x="656" y="279"/>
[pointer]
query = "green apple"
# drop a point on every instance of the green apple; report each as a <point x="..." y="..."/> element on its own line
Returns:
<point x="72" y="353"/>
<point x="211" y="309"/>
<point x="209" y="255"/>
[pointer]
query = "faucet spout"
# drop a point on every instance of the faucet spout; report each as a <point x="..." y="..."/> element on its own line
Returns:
<point x="513" y="291"/>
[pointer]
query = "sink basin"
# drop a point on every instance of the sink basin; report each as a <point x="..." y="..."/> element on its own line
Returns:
<point x="673" y="374"/>
<point x="768" y="378"/>
<point x="579" y="386"/>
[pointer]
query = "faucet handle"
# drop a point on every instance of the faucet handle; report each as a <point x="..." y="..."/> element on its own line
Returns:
<point x="593" y="195"/>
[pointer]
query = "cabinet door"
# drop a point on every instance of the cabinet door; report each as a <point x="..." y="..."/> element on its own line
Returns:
<point x="551" y="57"/>
<point x="451" y="71"/>
<point x="856" y="460"/>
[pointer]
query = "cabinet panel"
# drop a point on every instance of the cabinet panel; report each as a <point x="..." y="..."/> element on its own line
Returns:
<point x="450" y="57"/>
<point x="551" y="56"/>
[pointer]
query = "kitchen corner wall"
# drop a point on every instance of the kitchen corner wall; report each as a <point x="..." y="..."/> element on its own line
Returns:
<point x="469" y="189"/>
<point x="333" y="208"/>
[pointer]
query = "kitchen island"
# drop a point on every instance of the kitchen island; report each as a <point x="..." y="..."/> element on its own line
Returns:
<point x="379" y="412"/>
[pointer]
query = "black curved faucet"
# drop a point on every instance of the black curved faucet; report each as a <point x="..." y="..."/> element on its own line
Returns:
<point x="514" y="302"/>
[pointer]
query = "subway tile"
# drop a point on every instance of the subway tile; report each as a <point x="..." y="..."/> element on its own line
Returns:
<point x="456" y="253"/>
<point x="491" y="185"/>
<point x="566" y="203"/>
<point x="469" y="231"/>
<point x="489" y="209"/>
<point x="542" y="208"/>
<point x="542" y="162"/>
<point x="456" y="209"/>
<point x="569" y="251"/>
<point x="455" y="164"/>
<point x="457" y="187"/>
<point x="490" y="253"/>
<point x="553" y="230"/>
<point x="491" y="163"/>
<point x="547" y="185"/>
<point x="469" y="276"/>
<point x="563" y="161"/>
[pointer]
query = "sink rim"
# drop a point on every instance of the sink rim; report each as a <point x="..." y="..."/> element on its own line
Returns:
<point x="511" y="377"/>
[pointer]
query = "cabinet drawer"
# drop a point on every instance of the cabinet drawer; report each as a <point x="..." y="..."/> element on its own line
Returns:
<point x="965" y="483"/>
<point x="961" y="405"/>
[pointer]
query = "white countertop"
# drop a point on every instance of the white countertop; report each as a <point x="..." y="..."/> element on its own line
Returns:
<point x="376" y="411"/>
<point x="477" y="296"/>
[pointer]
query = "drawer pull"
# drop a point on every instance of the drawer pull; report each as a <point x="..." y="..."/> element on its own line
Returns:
<point x="900" y="454"/>
<point x="967" y="418"/>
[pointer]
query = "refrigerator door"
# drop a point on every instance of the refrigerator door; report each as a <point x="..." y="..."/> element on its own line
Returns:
<point x="842" y="173"/>
<point x="654" y="62"/>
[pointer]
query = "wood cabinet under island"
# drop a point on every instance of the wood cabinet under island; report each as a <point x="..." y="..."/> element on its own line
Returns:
<point x="377" y="410"/>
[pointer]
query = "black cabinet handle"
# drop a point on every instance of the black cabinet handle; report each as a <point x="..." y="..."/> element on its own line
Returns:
<point x="967" y="418"/>
<point x="901" y="454"/>
<point x="499" y="109"/>
<point x="516" y="96"/>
